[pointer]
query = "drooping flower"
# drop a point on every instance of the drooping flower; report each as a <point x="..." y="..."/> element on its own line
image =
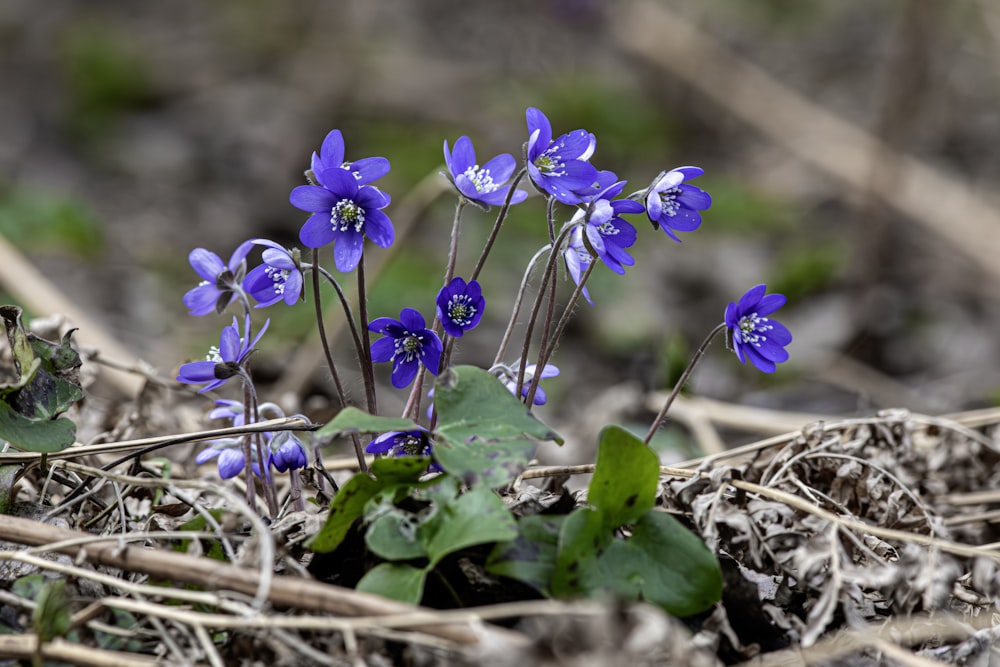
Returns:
<point x="607" y="232"/>
<point x="460" y="306"/>
<point x="224" y="361"/>
<point x="602" y="181"/>
<point x="578" y="258"/>
<point x="277" y="279"/>
<point x="508" y="375"/>
<point x="559" y="167"/>
<point x="286" y="452"/>
<point x="675" y="206"/>
<point x="331" y="156"/>
<point x="407" y="343"/>
<point x="221" y="283"/>
<point x="227" y="409"/>
<point x="755" y="336"/>
<point x="483" y="186"/>
<point x="343" y="213"/>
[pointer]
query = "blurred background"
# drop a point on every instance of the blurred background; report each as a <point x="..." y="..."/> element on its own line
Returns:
<point x="849" y="147"/>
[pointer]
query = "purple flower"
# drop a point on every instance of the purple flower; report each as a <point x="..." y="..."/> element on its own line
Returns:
<point x="460" y="306"/>
<point x="509" y="378"/>
<point x="603" y="181"/>
<point x="331" y="156"/>
<point x="608" y="233"/>
<point x="407" y="343"/>
<point x="578" y="259"/>
<point x="401" y="443"/>
<point x="755" y="336"/>
<point x="286" y="452"/>
<point x="343" y="212"/>
<point x="483" y="186"/>
<point x="277" y="279"/>
<point x="220" y="283"/>
<point x="226" y="409"/>
<point x="224" y="361"/>
<point x="228" y="453"/>
<point x="673" y="205"/>
<point x="559" y="167"/>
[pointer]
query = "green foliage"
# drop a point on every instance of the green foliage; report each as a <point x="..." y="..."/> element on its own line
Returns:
<point x="739" y="209"/>
<point x="451" y="523"/>
<point x="619" y="545"/>
<point x="485" y="435"/>
<point x="657" y="560"/>
<point x="44" y="384"/>
<point x="43" y="220"/>
<point x="51" y="616"/>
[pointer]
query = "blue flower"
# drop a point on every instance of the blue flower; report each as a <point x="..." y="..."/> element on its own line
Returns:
<point x="559" y="167"/>
<point x="227" y="409"/>
<point x="754" y="336"/>
<point x="407" y="343"/>
<point x="331" y="156"/>
<point x="224" y="361"/>
<point x="460" y="306"/>
<point x="401" y="443"/>
<point x="608" y="233"/>
<point x="508" y="375"/>
<point x="220" y="283"/>
<point x="277" y="279"/>
<point x="578" y="258"/>
<point x="673" y="205"/>
<point x="228" y="453"/>
<point x="483" y="186"/>
<point x="343" y="212"/>
<point x="286" y="452"/>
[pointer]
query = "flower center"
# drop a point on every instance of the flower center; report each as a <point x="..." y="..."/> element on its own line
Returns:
<point x="753" y="329"/>
<point x="548" y="164"/>
<point x="409" y="445"/>
<point x="345" y="213"/>
<point x="408" y="346"/>
<point x="669" y="200"/>
<point x="214" y="355"/>
<point x="460" y="310"/>
<point x="482" y="179"/>
<point x="279" y="278"/>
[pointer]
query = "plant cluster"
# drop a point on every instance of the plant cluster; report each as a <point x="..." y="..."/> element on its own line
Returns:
<point x="430" y="494"/>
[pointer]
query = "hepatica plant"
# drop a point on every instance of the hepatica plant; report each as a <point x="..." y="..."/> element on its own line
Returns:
<point x="427" y="487"/>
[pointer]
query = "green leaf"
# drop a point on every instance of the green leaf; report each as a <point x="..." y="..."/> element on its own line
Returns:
<point x="672" y="567"/>
<point x="347" y="506"/>
<point x="478" y="516"/>
<point x="584" y="537"/>
<point x="35" y="436"/>
<point x="396" y="581"/>
<point x="400" y="469"/>
<point x="352" y="420"/>
<point x="485" y="435"/>
<point x="625" y="481"/>
<point x="51" y="616"/>
<point x="393" y="536"/>
<point x="45" y="384"/>
<point x="531" y="557"/>
<point x="662" y="563"/>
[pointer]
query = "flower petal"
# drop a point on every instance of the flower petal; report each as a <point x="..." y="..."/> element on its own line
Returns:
<point x="313" y="198"/>
<point x="370" y="169"/>
<point x="383" y="349"/>
<point x="201" y="300"/>
<point x="317" y="231"/>
<point x="206" y="264"/>
<point x="332" y="151"/>
<point x="347" y="250"/>
<point x="379" y="228"/>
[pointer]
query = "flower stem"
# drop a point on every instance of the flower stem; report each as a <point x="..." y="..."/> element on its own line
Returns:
<point x="247" y="452"/>
<point x="682" y="381"/>
<point x="518" y="300"/>
<point x="367" y="370"/>
<point x="549" y="346"/>
<point x="549" y="274"/>
<point x="496" y="225"/>
<point x="341" y="396"/>
<point x="349" y="314"/>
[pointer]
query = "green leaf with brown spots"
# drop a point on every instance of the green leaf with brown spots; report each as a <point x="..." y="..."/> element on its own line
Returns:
<point x="624" y="482"/>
